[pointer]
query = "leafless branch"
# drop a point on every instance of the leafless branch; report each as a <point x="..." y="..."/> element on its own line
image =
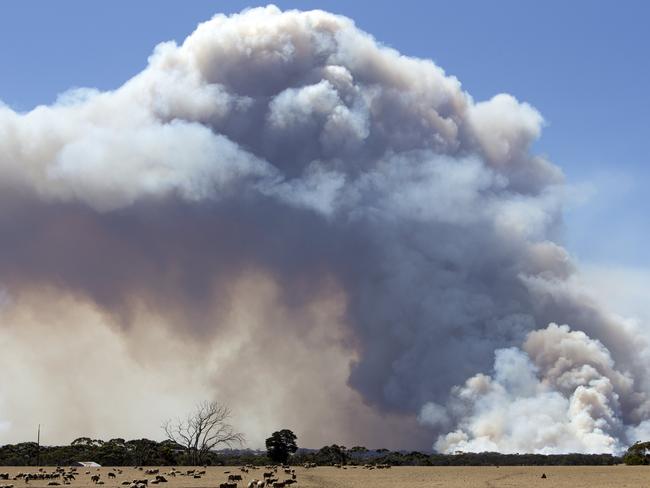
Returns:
<point x="203" y="430"/>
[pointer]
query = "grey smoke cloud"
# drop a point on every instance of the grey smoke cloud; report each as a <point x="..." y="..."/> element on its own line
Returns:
<point x="295" y="148"/>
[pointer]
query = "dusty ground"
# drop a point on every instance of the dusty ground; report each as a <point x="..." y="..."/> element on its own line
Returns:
<point x="408" y="477"/>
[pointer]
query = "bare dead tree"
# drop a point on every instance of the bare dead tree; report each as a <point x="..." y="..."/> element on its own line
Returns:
<point x="204" y="429"/>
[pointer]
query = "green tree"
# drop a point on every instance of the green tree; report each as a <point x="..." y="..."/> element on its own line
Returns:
<point x="638" y="453"/>
<point x="333" y="454"/>
<point x="113" y="453"/>
<point x="281" y="445"/>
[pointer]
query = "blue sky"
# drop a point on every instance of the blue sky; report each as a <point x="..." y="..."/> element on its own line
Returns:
<point x="583" y="64"/>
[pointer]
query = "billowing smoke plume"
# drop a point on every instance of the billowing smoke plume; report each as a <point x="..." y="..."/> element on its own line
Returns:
<point x="561" y="393"/>
<point x="281" y="194"/>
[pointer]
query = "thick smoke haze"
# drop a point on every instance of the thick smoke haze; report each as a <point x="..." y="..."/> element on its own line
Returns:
<point x="326" y="234"/>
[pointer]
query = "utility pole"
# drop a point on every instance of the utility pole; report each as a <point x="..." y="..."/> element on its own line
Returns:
<point x="38" y="447"/>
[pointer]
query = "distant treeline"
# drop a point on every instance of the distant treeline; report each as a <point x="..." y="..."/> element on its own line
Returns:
<point x="145" y="452"/>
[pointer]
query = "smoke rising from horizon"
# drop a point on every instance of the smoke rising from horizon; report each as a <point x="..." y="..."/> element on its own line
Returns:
<point x="281" y="193"/>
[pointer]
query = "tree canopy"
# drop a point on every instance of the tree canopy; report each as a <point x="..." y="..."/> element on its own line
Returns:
<point x="637" y="453"/>
<point x="145" y="452"/>
<point x="281" y="445"/>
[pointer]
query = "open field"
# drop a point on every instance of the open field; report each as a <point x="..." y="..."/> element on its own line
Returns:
<point x="407" y="477"/>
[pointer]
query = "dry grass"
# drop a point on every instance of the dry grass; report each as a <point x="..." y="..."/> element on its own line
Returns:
<point x="407" y="477"/>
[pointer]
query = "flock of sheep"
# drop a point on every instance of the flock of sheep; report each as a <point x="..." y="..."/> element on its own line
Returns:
<point x="55" y="478"/>
<point x="270" y="477"/>
<point x="365" y="466"/>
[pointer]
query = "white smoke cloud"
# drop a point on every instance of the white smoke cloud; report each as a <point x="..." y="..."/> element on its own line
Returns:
<point x="559" y="393"/>
<point x="293" y="146"/>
